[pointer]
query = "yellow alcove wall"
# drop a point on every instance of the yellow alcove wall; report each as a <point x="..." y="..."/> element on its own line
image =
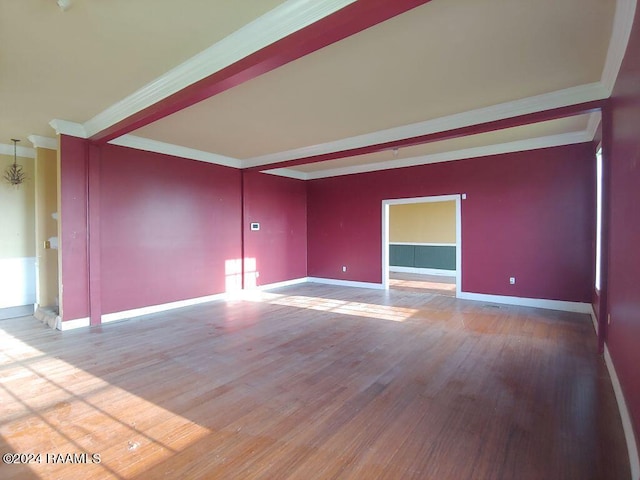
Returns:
<point x="432" y="222"/>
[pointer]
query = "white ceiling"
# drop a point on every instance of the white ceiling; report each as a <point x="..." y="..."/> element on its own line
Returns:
<point x="444" y="62"/>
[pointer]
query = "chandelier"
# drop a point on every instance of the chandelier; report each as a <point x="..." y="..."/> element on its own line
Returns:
<point x="14" y="174"/>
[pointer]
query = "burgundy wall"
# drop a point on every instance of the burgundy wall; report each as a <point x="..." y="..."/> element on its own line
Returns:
<point x="280" y="246"/>
<point x="527" y="214"/>
<point x="167" y="227"/>
<point x="624" y="268"/>
<point x="73" y="238"/>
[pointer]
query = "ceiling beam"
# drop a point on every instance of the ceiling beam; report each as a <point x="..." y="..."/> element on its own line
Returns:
<point x="485" y="127"/>
<point x="345" y="22"/>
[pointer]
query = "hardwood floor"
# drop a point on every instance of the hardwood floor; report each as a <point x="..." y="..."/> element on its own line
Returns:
<point x="314" y="382"/>
<point x="416" y="282"/>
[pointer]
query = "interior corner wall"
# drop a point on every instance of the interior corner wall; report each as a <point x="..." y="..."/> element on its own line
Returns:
<point x="46" y="181"/>
<point x="623" y="336"/>
<point x="529" y="215"/>
<point x="72" y="228"/>
<point x="278" y="251"/>
<point x="169" y="228"/>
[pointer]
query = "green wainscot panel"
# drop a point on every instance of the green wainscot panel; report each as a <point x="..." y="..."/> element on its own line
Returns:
<point x="401" y="255"/>
<point x="440" y="257"/>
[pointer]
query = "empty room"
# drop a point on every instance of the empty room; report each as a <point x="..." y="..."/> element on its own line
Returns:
<point x="330" y="239"/>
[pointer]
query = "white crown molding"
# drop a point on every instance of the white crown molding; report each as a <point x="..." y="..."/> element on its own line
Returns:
<point x="620" y="33"/>
<point x="524" y="106"/>
<point x="149" y="145"/>
<point x="64" y="127"/>
<point x="467" y="153"/>
<point x="282" y="21"/>
<point x="21" y="152"/>
<point x="43" y="142"/>
<point x="288" y="172"/>
<point x="594" y="121"/>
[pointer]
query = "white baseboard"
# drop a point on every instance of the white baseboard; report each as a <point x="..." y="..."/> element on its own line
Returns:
<point x="17" y="311"/>
<point x="286" y="283"/>
<point x="137" y="312"/>
<point x="345" y="283"/>
<point x="72" y="324"/>
<point x="578" y="307"/>
<point x="632" y="447"/>
<point x="594" y="319"/>
<point x="423" y="271"/>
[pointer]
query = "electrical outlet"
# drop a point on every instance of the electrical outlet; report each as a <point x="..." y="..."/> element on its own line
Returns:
<point x="512" y="280"/>
<point x="344" y="268"/>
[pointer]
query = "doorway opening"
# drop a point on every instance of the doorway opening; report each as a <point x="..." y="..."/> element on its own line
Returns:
<point x="413" y="259"/>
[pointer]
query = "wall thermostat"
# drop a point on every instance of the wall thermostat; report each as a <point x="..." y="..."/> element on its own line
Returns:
<point x="255" y="226"/>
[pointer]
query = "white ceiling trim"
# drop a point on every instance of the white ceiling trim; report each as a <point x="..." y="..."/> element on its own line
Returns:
<point x="149" y="145"/>
<point x="289" y="173"/>
<point x="622" y="25"/>
<point x="282" y="21"/>
<point x="22" y="152"/>
<point x="592" y="125"/>
<point x="538" y="103"/>
<point x="467" y="153"/>
<point x="43" y="142"/>
<point x="64" y="127"/>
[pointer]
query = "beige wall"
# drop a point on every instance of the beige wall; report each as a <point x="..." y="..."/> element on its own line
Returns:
<point x="17" y="237"/>
<point x="17" y="218"/>
<point x="46" y="194"/>
<point x="432" y="222"/>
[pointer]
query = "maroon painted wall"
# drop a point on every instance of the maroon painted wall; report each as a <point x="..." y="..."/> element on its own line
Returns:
<point x="161" y="229"/>
<point x="527" y="214"/>
<point x="280" y="246"/>
<point x="168" y="225"/>
<point x="73" y="239"/>
<point x="623" y="337"/>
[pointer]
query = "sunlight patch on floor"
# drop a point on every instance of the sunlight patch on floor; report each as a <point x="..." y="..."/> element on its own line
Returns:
<point x="445" y="287"/>
<point x="358" y="309"/>
<point x="82" y="413"/>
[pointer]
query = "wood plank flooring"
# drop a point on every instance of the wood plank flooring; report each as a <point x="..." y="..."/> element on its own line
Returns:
<point x="314" y="382"/>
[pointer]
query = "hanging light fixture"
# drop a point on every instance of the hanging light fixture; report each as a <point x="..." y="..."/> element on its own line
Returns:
<point x="14" y="174"/>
